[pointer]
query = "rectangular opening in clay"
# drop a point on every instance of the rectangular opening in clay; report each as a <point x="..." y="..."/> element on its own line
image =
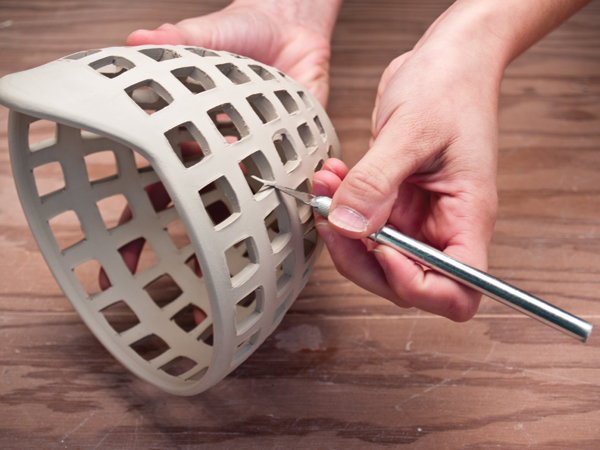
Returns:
<point x="150" y="347"/>
<point x="49" y="178"/>
<point x="114" y="210"/>
<point x="256" y="165"/>
<point x="262" y="107"/>
<point x="278" y="227"/>
<point x="240" y="257"/>
<point x="262" y="72"/>
<point x="287" y="101"/>
<point x="66" y="229"/>
<point x="194" y="79"/>
<point x="112" y="66"/>
<point x="219" y="200"/>
<point x="92" y="277"/>
<point x="188" y="143"/>
<point x="120" y="316"/>
<point x="285" y="271"/>
<point x="163" y="290"/>
<point x="233" y="73"/>
<point x="229" y="122"/>
<point x="286" y="151"/>
<point x="42" y="134"/>
<point x="178" y="366"/>
<point x="149" y="95"/>
<point x="249" y="309"/>
<point x="101" y="166"/>
<point x="308" y="138"/>
<point x="188" y="317"/>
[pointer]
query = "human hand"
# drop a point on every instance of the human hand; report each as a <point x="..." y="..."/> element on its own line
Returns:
<point x="430" y="172"/>
<point x="291" y="35"/>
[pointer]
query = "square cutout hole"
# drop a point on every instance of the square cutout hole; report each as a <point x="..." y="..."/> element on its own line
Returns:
<point x="305" y="99"/>
<point x="233" y="73"/>
<point x="138" y="255"/>
<point x="256" y="165"/>
<point x="101" y="166"/>
<point x="49" y="178"/>
<point x="178" y="233"/>
<point x="287" y="101"/>
<point x="219" y="200"/>
<point x="278" y="226"/>
<point x="229" y="122"/>
<point x="163" y="290"/>
<point x="112" y="66"/>
<point x="150" y="96"/>
<point x="66" y="228"/>
<point x="158" y="196"/>
<point x="188" y="143"/>
<point x="120" y="316"/>
<point x="245" y="347"/>
<point x="150" y="347"/>
<point x="88" y="275"/>
<point x="194" y="79"/>
<point x="310" y="239"/>
<point x="320" y="127"/>
<point x="286" y="151"/>
<point x="189" y="317"/>
<point x="160" y="54"/>
<point x="305" y="212"/>
<point x="249" y="309"/>
<point x="114" y="210"/>
<point x="42" y="134"/>
<point x="201" y="51"/>
<point x="262" y="107"/>
<point x="194" y="265"/>
<point x="285" y="271"/>
<point x="178" y="366"/>
<point x="240" y="257"/>
<point x="308" y="138"/>
<point x="262" y="72"/>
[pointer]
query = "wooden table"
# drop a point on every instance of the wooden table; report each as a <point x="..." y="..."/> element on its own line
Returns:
<point x="345" y="369"/>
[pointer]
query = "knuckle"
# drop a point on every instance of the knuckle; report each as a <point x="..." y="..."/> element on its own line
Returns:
<point x="368" y="183"/>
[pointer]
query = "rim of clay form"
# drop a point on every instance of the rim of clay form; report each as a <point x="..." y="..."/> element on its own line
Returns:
<point x="248" y="252"/>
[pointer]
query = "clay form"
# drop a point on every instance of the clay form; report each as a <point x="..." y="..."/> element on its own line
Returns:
<point x="177" y="133"/>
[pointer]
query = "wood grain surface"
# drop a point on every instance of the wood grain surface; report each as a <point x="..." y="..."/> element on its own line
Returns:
<point x="345" y="369"/>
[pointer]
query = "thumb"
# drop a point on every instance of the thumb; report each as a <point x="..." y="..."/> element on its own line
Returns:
<point x="363" y="202"/>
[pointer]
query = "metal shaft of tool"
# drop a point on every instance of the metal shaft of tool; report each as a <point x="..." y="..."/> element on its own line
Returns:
<point x="475" y="279"/>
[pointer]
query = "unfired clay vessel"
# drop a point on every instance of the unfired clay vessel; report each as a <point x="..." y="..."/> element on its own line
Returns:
<point x="184" y="129"/>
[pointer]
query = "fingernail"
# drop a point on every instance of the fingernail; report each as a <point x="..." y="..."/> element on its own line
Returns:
<point x="380" y="257"/>
<point x="320" y="188"/>
<point x="325" y="232"/>
<point x="348" y="219"/>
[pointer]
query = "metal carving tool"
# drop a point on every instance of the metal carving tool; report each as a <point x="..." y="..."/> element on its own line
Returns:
<point x="467" y="275"/>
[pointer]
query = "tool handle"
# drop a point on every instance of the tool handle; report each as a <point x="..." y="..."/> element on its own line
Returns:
<point x="475" y="279"/>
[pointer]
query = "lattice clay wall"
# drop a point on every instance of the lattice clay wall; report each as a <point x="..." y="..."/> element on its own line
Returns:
<point x="133" y="167"/>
